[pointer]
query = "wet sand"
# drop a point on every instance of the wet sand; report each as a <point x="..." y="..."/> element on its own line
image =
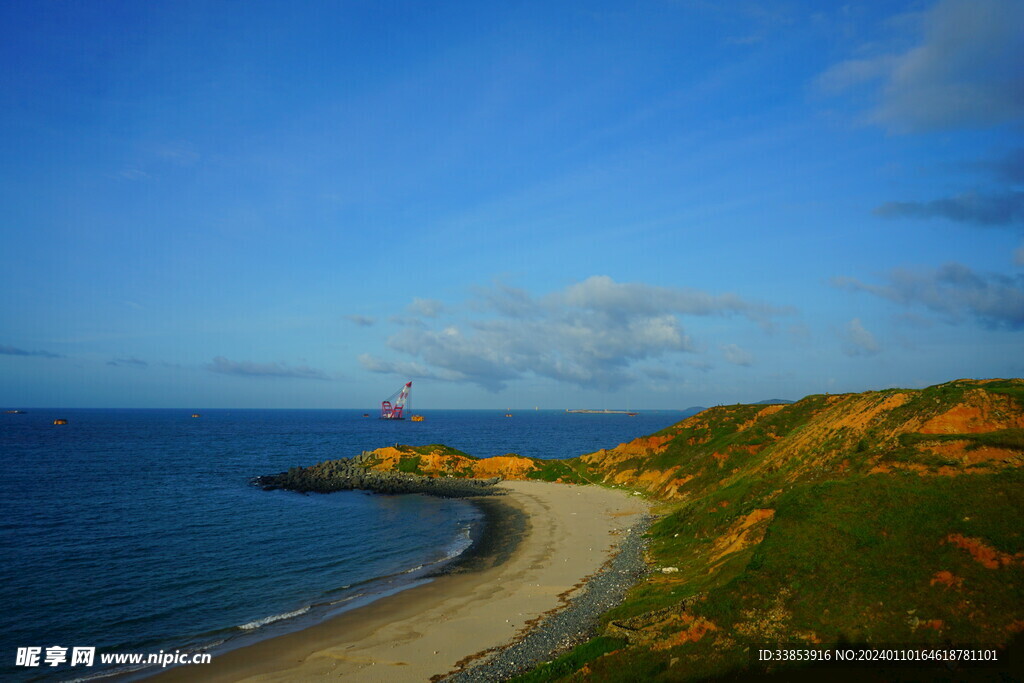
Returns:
<point x="542" y="540"/>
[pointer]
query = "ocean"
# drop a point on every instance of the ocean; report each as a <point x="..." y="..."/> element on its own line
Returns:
<point x="138" y="531"/>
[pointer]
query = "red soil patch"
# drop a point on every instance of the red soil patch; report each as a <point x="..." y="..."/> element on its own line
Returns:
<point x="644" y="446"/>
<point x="506" y="466"/>
<point x="742" y="534"/>
<point x="672" y="488"/>
<point x="698" y="628"/>
<point x="624" y="477"/>
<point x="389" y="458"/>
<point x="980" y="412"/>
<point x="959" y="449"/>
<point x="651" y="445"/>
<point x="990" y="454"/>
<point x="764" y="412"/>
<point x="863" y="410"/>
<point x="947" y="579"/>
<point x="983" y="553"/>
<point x="438" y="464"/>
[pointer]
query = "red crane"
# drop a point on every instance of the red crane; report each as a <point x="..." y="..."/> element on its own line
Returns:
<point x="393" y="411"/>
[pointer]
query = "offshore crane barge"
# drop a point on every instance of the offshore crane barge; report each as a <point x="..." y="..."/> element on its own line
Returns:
<point x="393" y="407"/>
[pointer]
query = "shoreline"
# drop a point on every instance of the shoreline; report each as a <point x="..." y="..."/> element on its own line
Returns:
<point x="538" y="544"/>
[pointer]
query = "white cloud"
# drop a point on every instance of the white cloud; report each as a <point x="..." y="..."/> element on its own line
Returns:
<point x="406" y="369"/>
<point x="428" y="308"/>
<point x="737" y="356"/>
<point x="858" y="341"/>
<point x="590" y="334"/>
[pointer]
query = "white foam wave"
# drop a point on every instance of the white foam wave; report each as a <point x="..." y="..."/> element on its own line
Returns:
<point x="269" y="620"/>
<point x="461" y="543"/>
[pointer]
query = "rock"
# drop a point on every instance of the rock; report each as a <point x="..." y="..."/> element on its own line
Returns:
<point x="351" y="473"/>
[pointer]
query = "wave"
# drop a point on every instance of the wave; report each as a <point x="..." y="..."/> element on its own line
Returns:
<point x="271" y="619"/>
<point x="461" y="543"/>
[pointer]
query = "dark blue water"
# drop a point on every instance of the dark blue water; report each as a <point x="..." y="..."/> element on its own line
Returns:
<point x="138" y="530"/>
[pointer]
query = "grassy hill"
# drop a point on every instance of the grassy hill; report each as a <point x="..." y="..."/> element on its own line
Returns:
<point x="878" y="518"/>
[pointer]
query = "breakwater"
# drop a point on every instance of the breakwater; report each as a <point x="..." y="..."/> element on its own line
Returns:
<point x="346" y="474"/>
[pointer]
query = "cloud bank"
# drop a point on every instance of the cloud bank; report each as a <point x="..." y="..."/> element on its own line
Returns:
<point x="12" y="351"/>
<point x="964" y="72"/>
<point x="955" y="292"/>
<point x="994" y="209"/>
<point x="588" y="334"/>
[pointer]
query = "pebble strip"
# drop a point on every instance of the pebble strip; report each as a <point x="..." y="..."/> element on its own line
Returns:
<point x="575" y="623"/>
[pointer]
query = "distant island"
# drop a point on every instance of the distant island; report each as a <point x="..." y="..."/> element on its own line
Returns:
<point x="880" y="518"/>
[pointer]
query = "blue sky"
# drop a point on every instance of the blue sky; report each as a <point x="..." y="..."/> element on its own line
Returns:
<point x="578" y="204"/>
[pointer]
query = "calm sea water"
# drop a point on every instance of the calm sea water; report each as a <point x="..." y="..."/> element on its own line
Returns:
<point x="138" y="530"/>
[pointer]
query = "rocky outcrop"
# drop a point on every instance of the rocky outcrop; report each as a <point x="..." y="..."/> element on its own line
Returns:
<point x="353" y="473"/>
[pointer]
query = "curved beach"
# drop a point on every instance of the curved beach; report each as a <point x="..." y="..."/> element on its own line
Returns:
<point x="544" y="541"/>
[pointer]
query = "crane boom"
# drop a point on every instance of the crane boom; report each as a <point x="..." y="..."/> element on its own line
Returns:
<point x="393" y="407"/>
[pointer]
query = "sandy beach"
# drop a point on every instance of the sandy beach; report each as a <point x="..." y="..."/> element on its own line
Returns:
<point x="560" y="535"/>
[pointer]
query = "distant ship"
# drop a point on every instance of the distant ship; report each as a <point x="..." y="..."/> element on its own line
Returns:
<point x="15" y="412"/>
<point x="416" y="418"/>
<point x="603" y="412"/>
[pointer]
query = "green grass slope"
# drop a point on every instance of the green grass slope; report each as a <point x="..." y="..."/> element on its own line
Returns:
<point x="883" y="518"/>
